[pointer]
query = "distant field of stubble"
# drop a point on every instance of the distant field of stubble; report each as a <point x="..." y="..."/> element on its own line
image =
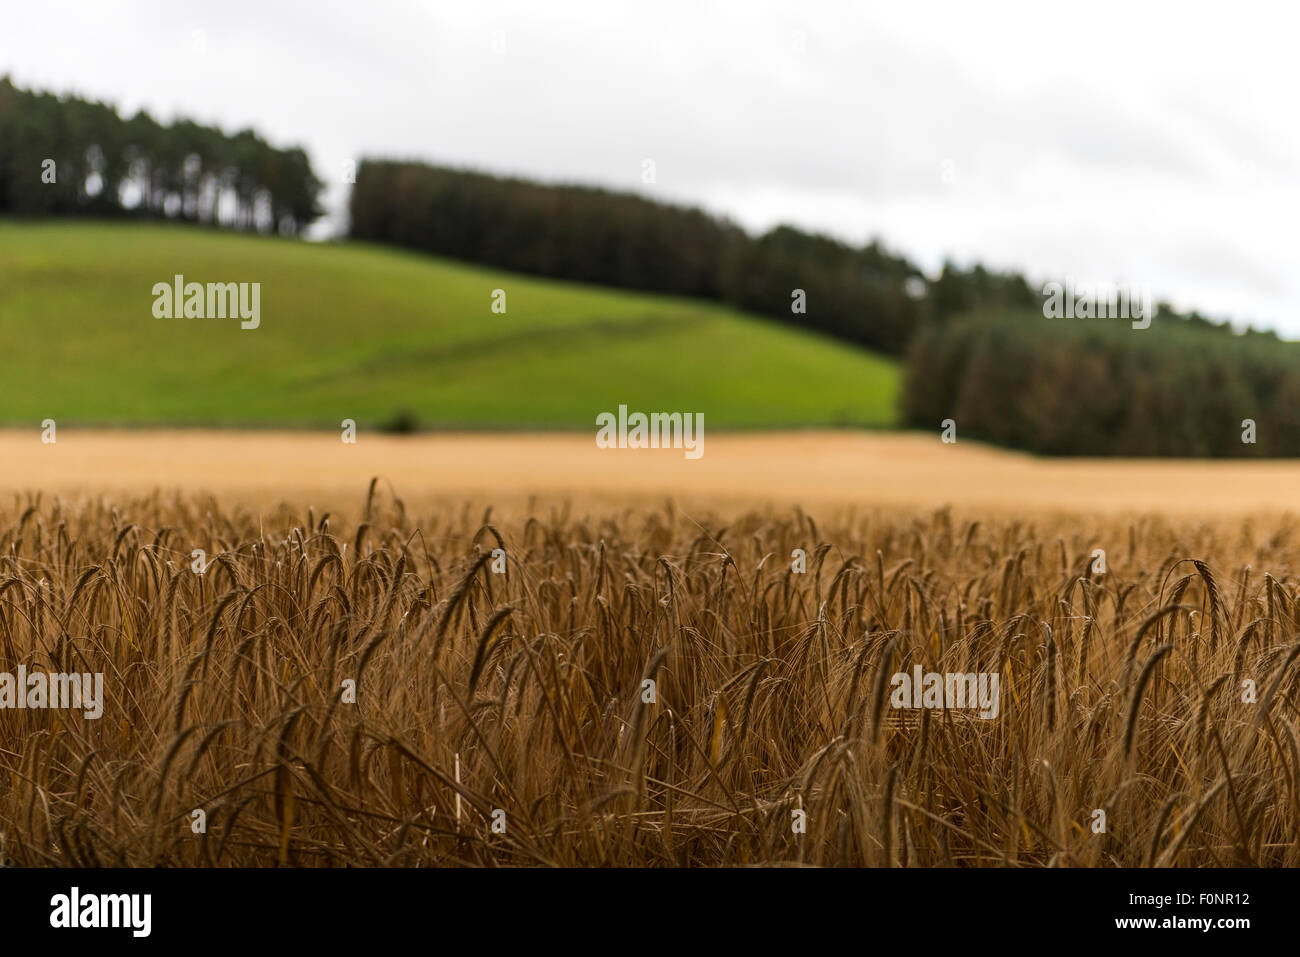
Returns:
<point x="514" y="472"/>
<point x="512" y="689"/>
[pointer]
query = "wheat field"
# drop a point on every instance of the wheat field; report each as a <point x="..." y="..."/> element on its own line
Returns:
<point x="644" y="687"/>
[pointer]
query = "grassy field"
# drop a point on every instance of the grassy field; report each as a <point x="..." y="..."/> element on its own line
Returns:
<point x="498" y="711"/>
<point x="368" y="333"/>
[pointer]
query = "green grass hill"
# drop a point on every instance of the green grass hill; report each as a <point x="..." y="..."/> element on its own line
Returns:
<point x="373" y="334"/>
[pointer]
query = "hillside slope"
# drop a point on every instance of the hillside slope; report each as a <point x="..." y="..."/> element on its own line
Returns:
<point x="361" y="332"/>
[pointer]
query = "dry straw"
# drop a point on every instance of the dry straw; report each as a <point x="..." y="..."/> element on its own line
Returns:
<point x="1122" y="691"/>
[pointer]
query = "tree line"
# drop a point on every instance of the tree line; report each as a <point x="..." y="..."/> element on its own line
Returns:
<point x="1099" y="387"/>
<point x="68" y="156"/>
<point x="865" y="295"/>
<point x="976" y="343"/>
<point x="862" y="294"/>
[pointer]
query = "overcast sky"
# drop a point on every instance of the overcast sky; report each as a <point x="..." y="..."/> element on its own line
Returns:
<point x="1125" y="142"/>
